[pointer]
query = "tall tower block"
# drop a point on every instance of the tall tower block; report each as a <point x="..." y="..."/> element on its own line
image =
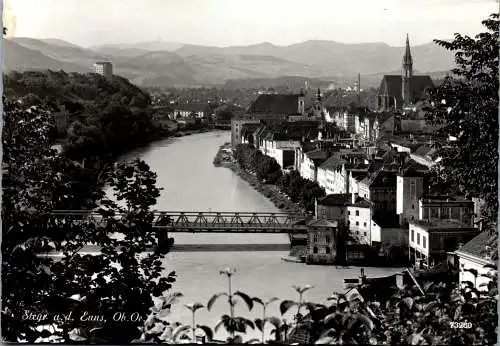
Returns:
<point x="407" y="73"/>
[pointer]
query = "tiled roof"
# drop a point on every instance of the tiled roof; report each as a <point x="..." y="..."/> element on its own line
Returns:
<point x="362" y="203"/>
<point x="381" y="179"/>
<point x="482" y="246"/>
<point x="333" y="162"/>
<point x="441" y="224"/>
<point x="322" y="223"/>
<point x="275" y="104"/>
<point x="335" y="199"/>
<point x="413" y="169"/>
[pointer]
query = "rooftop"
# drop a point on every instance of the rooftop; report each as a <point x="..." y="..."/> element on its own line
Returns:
<point x="381" y="178"/>
<point x="483" y="246"/>
<point x="339" y="199"/>
<point x="322" y="223"/>
<point x="436" y="224"/>
<point x="444" y="199"/>
<point x="286" y="104"/>
<point x="362" y="203"/>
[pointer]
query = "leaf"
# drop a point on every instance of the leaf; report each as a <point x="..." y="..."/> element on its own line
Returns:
<point x="366" y="321"/>
<point x="275" y="321"/>
<point x="325" y="341"/>
<point x="414" y="339"/>
<point x="286" y="305"/>
<point x="272" y="300"/>
<point x="253" y="341"/>
<point x="301" y="290"/>
<point x="75" y="335"/>
<point x="408" y="302"/>
<point x="259" y="323"/>
<point x="208" y="331"/>
<point x="179" y="331"/>
<point x="329" y="318"/>
<point x="194" y="306"/>
<point x="258" y="300"/>
<point x="246" y="298"/>
<point x="214" y="299"/>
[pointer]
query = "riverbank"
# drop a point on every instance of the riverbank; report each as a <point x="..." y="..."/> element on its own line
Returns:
<point x="224" y="158"/>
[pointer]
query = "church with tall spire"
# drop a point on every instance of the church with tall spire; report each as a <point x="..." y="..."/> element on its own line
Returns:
<point x="397" y="92"/>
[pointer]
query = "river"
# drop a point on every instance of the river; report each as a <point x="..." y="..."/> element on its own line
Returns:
<point x="191" y="183"/>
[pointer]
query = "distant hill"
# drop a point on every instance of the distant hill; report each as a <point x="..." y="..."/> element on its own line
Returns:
<point x="148" y="46"/>
<point x="164" y="64"/>
<point x="20" y="58"/>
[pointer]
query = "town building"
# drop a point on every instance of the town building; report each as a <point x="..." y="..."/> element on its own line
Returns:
<point x="431" y="240"/>
<point x="311" y="160"/>
<point x="104" y="68"/>
<point x="359" y="219"/>
<point x="283" y="152"/>
<point x="476" y="259"/>
<point x="380" y="189"/>
<point x="236" y="128"/>
<point x="321" y="244"/>
<point x="190" y="110"/>
<point x="409" y="189"/>
<point x="332" y="207"/>
<point x="399" y="91"/>
<point x="446" y="207"/>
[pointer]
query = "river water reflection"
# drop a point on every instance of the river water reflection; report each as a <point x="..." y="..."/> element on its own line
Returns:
<point x="191" y="183"/>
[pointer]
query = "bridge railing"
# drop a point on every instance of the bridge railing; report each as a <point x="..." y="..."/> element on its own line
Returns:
<point x="182" y="221"/>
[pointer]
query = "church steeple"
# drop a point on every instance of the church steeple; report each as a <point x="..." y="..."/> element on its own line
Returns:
<point x="407" y="73"/>
<point x="407" y="59"/>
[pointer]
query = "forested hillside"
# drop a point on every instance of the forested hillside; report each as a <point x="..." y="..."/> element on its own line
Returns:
<point x="105" y="116"/>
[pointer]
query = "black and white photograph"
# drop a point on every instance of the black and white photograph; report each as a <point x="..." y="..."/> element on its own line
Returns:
<point x="277" y="172"/>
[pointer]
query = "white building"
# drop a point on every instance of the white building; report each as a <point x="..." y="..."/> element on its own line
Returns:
<point x="409" y="189"/>
<point x="431" y="240"/>
<point x="310" y="162"/>
<point x="283" y="152"/>
<point x="474" y="256"/>
<point x="359" y="219"/>
<point x="104" y="68"/>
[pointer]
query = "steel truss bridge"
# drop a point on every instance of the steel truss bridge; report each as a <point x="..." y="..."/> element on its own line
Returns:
<point x="208" y="222"/>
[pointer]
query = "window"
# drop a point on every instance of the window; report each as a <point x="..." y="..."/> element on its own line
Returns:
<point x="327" y="239"/>
<point x="315" y="238"/>
<point x="364" y="234"/>
<point x="348" y="212"/>
<point x="364" y="224"/>
<point x="413" y="190"/>
<point x="315" y="249"/>
<point x="327" y="250"/>
<point x="413" y="206"/>
<point x="357" y="212"/>
<point x="412" y="235"/>
<point x="424" y="242"/>
<point x="357" y="223"/>
<point x="342" y="212"/>
<point x="418" y="238"/>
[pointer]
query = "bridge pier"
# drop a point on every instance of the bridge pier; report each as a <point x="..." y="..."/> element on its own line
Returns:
<point x="164" y="242"/>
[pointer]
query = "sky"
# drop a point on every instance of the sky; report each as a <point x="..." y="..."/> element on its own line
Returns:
<point x="242" y="22"/>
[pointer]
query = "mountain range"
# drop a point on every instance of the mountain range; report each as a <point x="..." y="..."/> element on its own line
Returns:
<point x="165" y="64"/>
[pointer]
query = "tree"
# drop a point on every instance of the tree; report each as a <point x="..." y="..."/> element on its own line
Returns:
<point x="466" y="104"/>
<point x="121" y="278"/>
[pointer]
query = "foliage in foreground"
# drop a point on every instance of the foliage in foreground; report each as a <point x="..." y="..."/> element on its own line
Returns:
<point x="409" y="317"/>
<point x="466" y="103"/>
<point x="121" y="279"/>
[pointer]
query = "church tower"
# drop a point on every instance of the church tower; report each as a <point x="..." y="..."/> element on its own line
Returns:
<point x="407" y="74"/>
<point x="318" y="106"/>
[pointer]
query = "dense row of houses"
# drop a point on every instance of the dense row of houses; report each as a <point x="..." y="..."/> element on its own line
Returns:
<point x="374" y="168"/>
